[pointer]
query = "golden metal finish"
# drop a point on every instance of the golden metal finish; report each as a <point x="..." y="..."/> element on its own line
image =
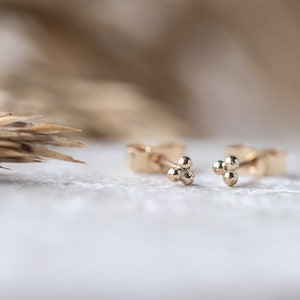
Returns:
<point x="250" y="161"/>
<point x="267" y="162"/>
<point x="142" y="158"/>
<point x="227" y="169"/>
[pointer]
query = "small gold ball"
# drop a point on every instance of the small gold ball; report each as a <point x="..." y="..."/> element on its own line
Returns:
<point x="188" y="177"/>
<point x="230" y="178"/>
<point x="231" y="163"/>
<point x="185" y="162"/>
<point x="174" y="174"/>
<point x="218" y="167"/>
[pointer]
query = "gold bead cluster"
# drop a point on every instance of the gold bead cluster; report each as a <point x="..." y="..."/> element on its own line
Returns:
<point x="182" y="171"/>
<point x="227" y="169"/>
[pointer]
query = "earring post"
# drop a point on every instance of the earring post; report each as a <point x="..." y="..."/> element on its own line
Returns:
<point x="162" y="160"/>
<point x="266" y="162"/>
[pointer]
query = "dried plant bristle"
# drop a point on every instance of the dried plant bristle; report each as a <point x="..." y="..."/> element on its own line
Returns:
<point x="24" y="140"/>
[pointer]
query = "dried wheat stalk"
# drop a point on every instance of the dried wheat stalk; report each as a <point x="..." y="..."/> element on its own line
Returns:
<point x="24" y="140"/>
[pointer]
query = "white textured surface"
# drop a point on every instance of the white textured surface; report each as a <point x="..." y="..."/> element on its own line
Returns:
<point x="99" y="230"/>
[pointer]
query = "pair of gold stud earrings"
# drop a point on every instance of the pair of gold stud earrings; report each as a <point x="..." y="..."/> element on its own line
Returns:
<point x="160" y="159"/>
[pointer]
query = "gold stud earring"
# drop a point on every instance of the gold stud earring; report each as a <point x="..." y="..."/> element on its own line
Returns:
<point x="142" y="158"/>
<point x="227" y="169"/>
<point x="250" y="161"/>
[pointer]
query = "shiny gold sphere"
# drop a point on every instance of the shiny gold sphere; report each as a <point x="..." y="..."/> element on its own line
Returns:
<point x="218" y="167"/>
<point x="230" y="178"/>
<point x="174" y="174"/>
<point x="231" y="163"/>
<point x="185" y="162"/>
<point x="188" y="177"/>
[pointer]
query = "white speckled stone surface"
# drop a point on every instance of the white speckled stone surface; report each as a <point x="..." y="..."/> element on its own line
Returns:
<point x="100" y="231"/>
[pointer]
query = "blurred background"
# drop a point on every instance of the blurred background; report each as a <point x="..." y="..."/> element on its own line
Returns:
<point x="154" y="68"/>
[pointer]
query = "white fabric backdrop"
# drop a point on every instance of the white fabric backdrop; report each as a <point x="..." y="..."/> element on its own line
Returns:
<point x="101" y="231"/>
